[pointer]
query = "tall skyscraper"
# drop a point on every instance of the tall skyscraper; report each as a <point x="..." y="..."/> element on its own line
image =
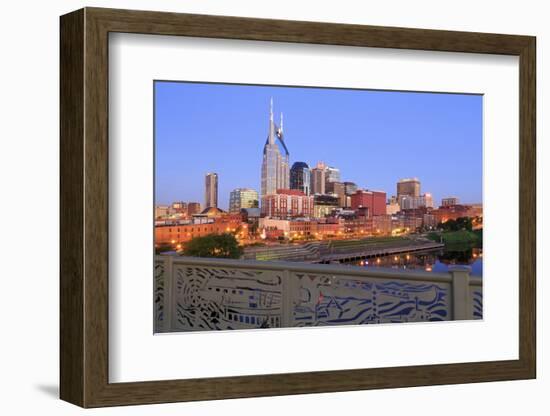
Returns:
<point x="275" y="162"/>
<point x="408" y="187"/>
<point x="350" y="188"/>
<point x="332" y="174"/>
<point x="318" y="178"/>
<point x="242" y="198"/>
<point x="211" y="190"/>
<point x="300" y="177"/>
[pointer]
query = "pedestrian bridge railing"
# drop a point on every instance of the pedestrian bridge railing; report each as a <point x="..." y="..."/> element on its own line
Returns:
<point x="197" y="294"/>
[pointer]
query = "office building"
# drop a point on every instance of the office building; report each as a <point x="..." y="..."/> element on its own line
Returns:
<point x="211" y="190"/>
<point x="375" y="201"/>
<point x="318" y="179"/>
<point x="287" y="203"/>
<point x="275" y="162"/>
<point x="300" y="177"/>
<point x="242" y="198"/>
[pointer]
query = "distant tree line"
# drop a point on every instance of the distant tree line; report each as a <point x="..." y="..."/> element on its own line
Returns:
<point x="462" y="223"/>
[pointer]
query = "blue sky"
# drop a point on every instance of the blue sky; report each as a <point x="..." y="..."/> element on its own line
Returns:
<point x="374" y="137"/>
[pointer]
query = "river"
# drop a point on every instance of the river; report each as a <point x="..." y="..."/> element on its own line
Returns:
<point x="432" y="261"/>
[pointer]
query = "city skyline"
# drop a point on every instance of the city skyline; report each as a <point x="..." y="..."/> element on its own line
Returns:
<point x="187" y="115"/>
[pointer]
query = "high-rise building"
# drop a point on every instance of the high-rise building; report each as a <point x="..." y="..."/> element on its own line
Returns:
<point x="332" y="174"/>
<point x="339" y="190"/>
<point x="414" y="202"/>
<point x="242" y="198"/>
<point x="318" y="178"/>
<point x="350" y="188"/>
<point x="375" y="201"/>
<point x="428" y="200"/>
<point x="452" y="200"/>
<point x="275" y="162"/>
<point x="211" y="190"/>
<point x="408" y="187"/>
<point x="300" y="177"/>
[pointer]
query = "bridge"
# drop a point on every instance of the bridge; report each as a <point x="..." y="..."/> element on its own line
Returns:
<point x="349" y="256"/>
<point x="201" y="294"/>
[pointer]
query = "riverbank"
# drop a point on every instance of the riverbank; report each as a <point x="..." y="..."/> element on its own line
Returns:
<point x="458" y="237"/>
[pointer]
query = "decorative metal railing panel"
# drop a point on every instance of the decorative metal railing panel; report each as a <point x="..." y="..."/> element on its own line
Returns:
<point x="212" y="294"/>
<point x="159" y="294"/>
<point x="225" y="298"/>
<point x="340" y="300"/>
<point x="476" y="295"/>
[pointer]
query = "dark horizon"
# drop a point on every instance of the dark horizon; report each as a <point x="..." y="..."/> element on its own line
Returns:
<point x="375" y="138"/>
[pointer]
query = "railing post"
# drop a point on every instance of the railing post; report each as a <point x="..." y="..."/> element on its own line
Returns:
<point x="169" y="293"/>
<point x="461" y="292"/>
<point x="286" y="301"/>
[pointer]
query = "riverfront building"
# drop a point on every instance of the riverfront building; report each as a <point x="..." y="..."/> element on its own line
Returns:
<point x="211" y="190"/>
<point x="179" y="232"/>
<point x="242" y="198"/>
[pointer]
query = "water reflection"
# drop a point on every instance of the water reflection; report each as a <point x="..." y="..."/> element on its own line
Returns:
<point x="434" y="260"/>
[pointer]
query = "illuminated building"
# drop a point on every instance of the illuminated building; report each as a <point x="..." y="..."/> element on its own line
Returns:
<point x="242" y="198"/>
<point x="162" y="211"/>
<point x="392" y="208"/>
<point x="287" y="203"/>
<point x="179" y="207"/>
<point x="275" y="162"/>
<point x="323" y="205"/>
<point x="211" y="190"/>
<point x="177" y="232"/>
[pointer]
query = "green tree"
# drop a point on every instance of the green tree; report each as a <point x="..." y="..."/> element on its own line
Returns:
<point x="214" y="245"/>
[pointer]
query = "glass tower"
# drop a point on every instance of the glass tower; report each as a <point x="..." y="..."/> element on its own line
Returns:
<point x="300" y="177"/>
<point x="275" y="163"/>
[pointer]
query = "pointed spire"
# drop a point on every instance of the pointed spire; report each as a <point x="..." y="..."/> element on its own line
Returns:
<point x="271" y="136"/>
<point x="281" y="121"/>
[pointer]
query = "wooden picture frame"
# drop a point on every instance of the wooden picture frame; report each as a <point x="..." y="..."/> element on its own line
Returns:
<point x="84" y="207"/>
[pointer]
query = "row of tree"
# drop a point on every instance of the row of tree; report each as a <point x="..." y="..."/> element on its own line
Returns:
<point x="462" y="223"/>
<point x="212" y="245"/>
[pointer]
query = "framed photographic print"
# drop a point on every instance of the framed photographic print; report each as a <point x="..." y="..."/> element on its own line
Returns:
<point x="266" y="207"/>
